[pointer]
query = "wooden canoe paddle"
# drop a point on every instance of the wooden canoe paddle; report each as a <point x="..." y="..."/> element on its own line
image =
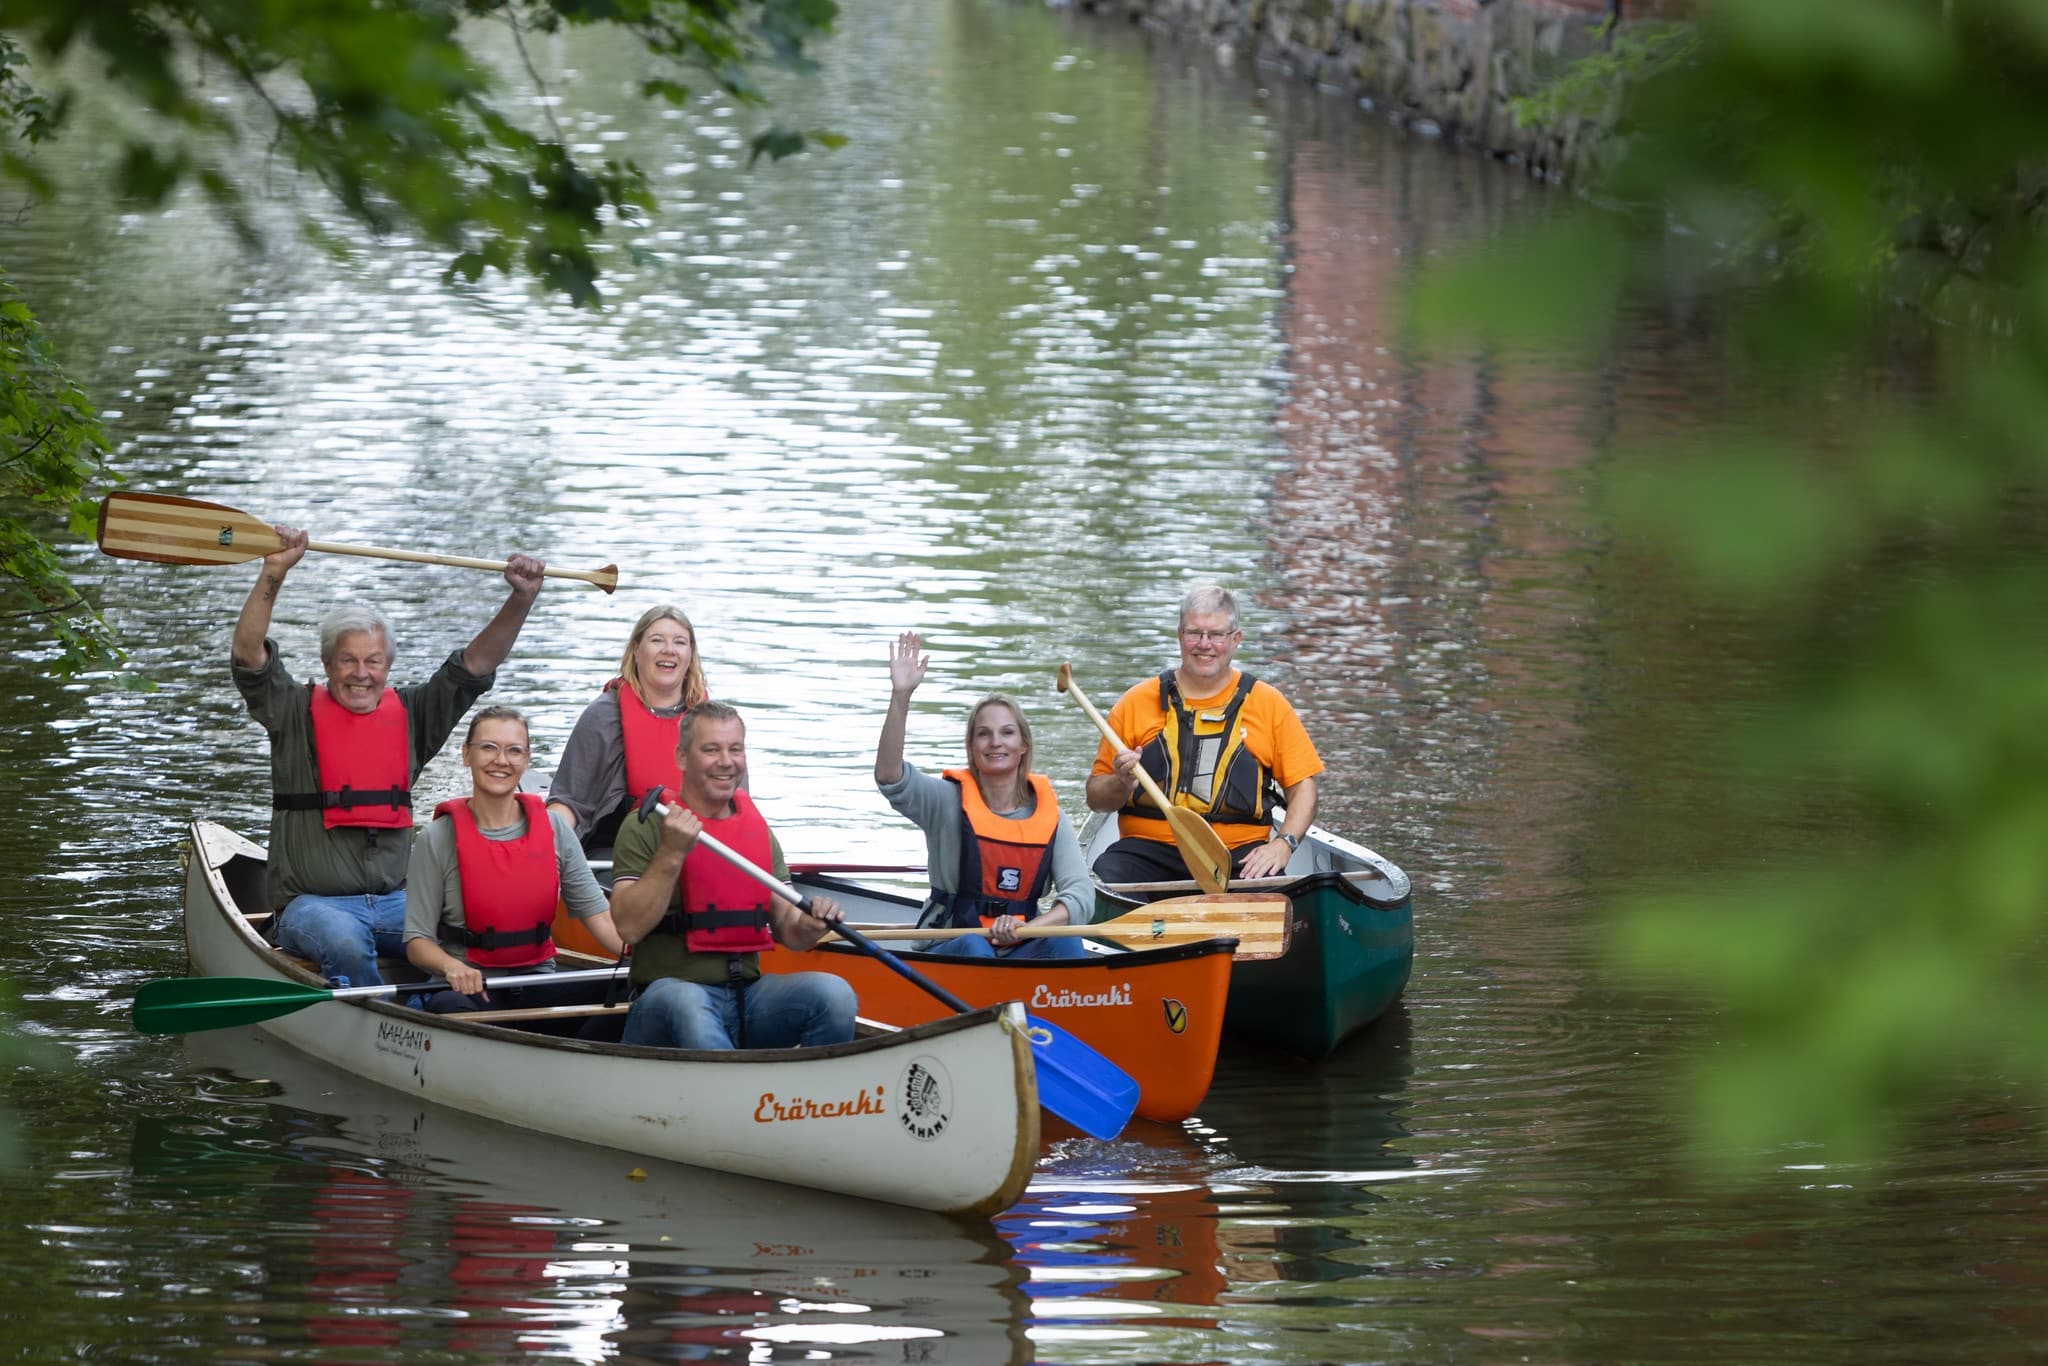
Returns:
<point x="1260" y="924"/>
<point x="168" y="530"/>
<point x="1203" y="850"/>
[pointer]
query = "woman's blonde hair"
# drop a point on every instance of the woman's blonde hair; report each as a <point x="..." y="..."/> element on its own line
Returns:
<point x="1002" y="699"/>
<point x="694" y="690"/>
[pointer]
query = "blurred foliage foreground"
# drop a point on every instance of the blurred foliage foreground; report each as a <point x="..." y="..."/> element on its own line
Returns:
<point x="1851" y="194"/>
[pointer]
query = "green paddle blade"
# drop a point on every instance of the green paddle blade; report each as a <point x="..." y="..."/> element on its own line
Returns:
<point x="186" y="1005"/>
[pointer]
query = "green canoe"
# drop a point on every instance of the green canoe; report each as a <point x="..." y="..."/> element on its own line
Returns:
<point x="1353" y="944"/>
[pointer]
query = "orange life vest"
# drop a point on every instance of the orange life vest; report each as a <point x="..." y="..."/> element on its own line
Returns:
<point x="1004" y="864"/>
<point x="724" y="910"/>
<point x="509" y="887"/>
<point x="365" y="765"/>
<point x="1201" y="762"/>
<point x="650" y="743"/>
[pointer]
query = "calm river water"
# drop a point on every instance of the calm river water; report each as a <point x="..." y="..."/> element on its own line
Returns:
<point x="1074" y="318"/>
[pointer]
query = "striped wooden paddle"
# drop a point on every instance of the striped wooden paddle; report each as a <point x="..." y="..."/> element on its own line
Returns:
<point x="1260" y="924"/>
<point x="169" y="530"/>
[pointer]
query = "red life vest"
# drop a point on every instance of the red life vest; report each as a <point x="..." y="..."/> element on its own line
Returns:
<point x="509" y="887"/>
<point x="365" y="765"/>
<point x="724" y="910"/>
<point x="1004" y="864"/>
<point x="650" y="743"/>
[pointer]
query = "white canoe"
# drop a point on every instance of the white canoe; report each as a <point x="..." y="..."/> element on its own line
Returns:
<point x="941" y="1117"/>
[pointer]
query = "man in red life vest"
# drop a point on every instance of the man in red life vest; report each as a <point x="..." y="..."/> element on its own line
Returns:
<point x="699" y="925"/>
<point x="343" y="757"/>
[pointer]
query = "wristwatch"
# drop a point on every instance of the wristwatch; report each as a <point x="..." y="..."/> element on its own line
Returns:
<point x="1292" y="841"/>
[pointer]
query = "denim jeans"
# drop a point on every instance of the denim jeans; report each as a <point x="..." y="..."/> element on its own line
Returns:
<point x="800" y="1009"/>
<point x="976" y="946"/>
<point x="344" y="934"/>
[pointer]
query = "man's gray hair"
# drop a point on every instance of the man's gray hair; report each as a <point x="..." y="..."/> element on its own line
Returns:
<point x="343" y="621"/>
<point x="707" y="710"/>
<point x="1206" y="598"/>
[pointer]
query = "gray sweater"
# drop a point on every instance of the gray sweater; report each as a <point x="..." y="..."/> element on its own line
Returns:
<point x="934" y="804"/>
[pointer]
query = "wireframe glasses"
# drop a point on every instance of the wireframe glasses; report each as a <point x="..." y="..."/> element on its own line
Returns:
<point x="491" y="749"/>
<point x="1207" y="637"/>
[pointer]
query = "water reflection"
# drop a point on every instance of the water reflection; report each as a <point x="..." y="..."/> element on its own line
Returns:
<point x="381" y="1222"/>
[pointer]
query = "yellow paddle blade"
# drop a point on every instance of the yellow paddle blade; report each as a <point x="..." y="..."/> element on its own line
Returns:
<point x="156" y="526"/>
<point x="1201" y="848"/>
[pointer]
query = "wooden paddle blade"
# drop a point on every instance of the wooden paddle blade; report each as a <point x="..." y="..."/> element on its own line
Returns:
<point x="156" y="526"/>
<point x="1078" y="1084"/>
<point x="1262" y="924"/>
<point x="1201" y="848"/>
<point x="187" y="1005"/>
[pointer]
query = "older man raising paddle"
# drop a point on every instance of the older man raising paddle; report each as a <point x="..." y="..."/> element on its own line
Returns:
<point x="1217" y="742"/>
<point x="344" y="753"/>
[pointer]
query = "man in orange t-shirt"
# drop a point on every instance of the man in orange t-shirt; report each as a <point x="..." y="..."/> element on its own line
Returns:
<point x="1216" y="741"/>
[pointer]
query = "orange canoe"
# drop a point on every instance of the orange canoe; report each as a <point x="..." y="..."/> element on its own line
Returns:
<point x="1156" y="1013"/>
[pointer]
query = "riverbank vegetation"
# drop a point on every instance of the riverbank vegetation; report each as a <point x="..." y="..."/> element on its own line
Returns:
<point x="242" y="105"/>
<point x="1847" y="197"/>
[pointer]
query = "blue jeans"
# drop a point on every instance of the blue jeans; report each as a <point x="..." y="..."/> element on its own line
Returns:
<point x="344" y="934"/>
<point x="976" y="946"/>
<point x="800" y="1009"/>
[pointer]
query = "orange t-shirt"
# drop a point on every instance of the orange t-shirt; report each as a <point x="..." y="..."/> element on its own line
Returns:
<point x="1273" y="733"/>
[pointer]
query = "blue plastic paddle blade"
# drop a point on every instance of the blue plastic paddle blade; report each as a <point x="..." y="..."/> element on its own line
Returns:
<point x="1078" y="1084"/>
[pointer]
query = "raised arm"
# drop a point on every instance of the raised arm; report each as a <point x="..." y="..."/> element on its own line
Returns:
<point x="906" y="671"/>
<point x="487" y="651"/>
<point x="253" y="626"/>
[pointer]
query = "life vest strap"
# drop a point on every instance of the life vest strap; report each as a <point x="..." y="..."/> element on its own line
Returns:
<point x="968" y="909"/>
<point x="682" y="922"/>
<point x="344" y="799"/>
<point x="499" y="939"/>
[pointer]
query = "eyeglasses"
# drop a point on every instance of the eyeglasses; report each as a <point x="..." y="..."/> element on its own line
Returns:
<point x="491" y="749"/>
<point x="1207" y="637"/>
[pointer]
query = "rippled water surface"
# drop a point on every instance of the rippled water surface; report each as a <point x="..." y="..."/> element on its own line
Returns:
<point x="1074" y="318"/>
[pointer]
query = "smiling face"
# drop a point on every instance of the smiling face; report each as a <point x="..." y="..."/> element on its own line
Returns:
<point x="662" y="659"/>
<point x="497" y="753"/>
<point x="357" y="672"/>
<point x="997" y="745"/>
<point x="1208" y="640"/>
<point x="713" y="756"/>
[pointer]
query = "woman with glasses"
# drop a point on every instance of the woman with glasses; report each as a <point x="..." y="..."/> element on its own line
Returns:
<point x="1218" y="742"/>
<point x="624" y="744"/>
<point x="486" y="874"/>
<point x="995" y="838"/>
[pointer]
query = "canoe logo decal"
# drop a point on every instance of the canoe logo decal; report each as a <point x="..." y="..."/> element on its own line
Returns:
<point x="227" y="535"/>
<point x="1045" y="998"/>
<point x="925" y="1100"/>
<point x="772" y="1108"/>
<point x="1176" y="1015"/>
